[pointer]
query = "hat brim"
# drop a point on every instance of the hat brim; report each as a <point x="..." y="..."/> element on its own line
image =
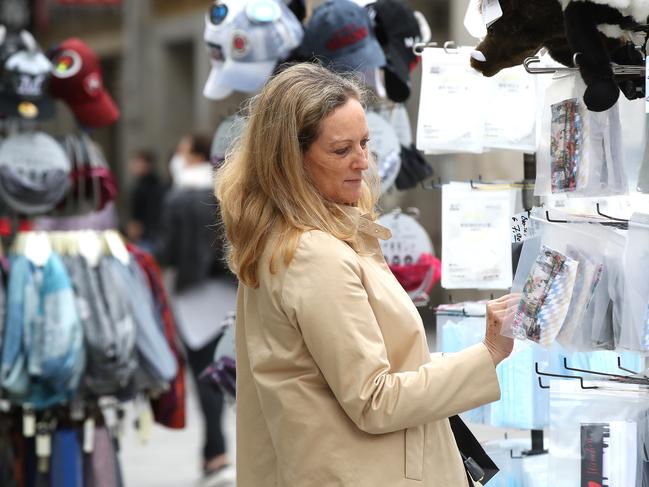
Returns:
<point x="36" y="198"/>
<point x="214" y="88"/>
<point x="101" y="111"/>
<point x="397" y="74"/>
<point x="246" y="77"/>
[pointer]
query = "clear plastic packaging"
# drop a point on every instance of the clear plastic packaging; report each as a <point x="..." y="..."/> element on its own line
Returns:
<point x="563" y="283"/>
<point x="596" y="433"/>
<point x="452" y="103"/>
<point x="635" y="310"/>
<point x="579" y="152"/>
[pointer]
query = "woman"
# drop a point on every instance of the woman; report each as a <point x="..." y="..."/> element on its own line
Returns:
<point x="335" y="385"/>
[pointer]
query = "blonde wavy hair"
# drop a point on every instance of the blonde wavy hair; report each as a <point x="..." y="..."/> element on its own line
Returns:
<point x="263" y="187"/>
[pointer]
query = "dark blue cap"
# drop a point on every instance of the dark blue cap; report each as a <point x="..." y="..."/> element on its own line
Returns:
<point x="340" y="34"/>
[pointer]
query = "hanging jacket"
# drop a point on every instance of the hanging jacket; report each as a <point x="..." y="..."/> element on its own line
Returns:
<point x="169" y="407"/>
<point x="43" y="354"/>
<point x="151" y="344"/>
<point x="100" y="468"/>
<point x="66" y="464"/>
<point x="108" y="325"/>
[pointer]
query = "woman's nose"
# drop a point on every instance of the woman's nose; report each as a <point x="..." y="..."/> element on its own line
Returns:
<point x="361" y="160"/>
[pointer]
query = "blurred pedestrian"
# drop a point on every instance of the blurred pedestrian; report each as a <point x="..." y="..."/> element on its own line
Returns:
<point x="146" y="199"/>
<point x="203" y="289"/>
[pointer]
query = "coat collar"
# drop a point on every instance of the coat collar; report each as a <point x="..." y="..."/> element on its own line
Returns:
<point x="365" y="225"/>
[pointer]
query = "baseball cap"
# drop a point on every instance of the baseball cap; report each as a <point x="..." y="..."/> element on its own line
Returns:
<point x="24" y="77"/>
<point x="77" y="80"/>
<point x="410" y="255"/>
<point x="226" y="133"/>
<point x="92" y="183"/>
<point x="384" y="144"/>
<point x="219" y="14"/>
<point x="397" y="40"/>
<point x="340" y="34"/>
<point x="246" y="42"/>
<point x="34" y="172"/>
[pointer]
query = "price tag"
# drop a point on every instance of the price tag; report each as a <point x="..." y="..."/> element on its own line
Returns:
<point x="520" y="227"/>
<point x="29" y="422"/>
<point x="491" y="11"/>
<point x="43" y="442"/>
<point x="88" y="435"/>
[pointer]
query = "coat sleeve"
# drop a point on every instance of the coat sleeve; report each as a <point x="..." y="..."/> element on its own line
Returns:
<point x="324" y="297"/>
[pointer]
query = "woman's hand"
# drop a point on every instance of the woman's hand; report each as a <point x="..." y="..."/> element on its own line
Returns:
<point x="498" y="310"/>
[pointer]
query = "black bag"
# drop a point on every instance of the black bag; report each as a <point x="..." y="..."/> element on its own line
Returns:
<point x="479" y="466"/>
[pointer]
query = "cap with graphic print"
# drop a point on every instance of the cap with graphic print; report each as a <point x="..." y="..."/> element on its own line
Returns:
<point x="246" y="40"/>
<point x="78" y="81"/>
<point x="340" y="34"/>
<point x="24" y="77"/>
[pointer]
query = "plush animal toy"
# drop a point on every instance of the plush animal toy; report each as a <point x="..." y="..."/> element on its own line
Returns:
<point x="583" y="22"/>
<point x="526" y="27"/>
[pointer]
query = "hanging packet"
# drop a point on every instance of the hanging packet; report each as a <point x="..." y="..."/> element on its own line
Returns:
<point x="559" y="277"/>
<point x="579" y="152"/>
<point x="598" y="436"/>
<point x="476" y="234"/>
<point x="635" y="315"/>
<point x="512" y="104"/>
<point x="452" y="103"/>
<point x="459" y="326"/>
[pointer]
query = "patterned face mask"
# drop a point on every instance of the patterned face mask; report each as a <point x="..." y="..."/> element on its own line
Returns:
<point x="555" y="308"/>
<point x="565" y="145"/>
<point x="545" y="297"/>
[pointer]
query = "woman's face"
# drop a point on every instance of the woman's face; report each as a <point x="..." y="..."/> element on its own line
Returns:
<point x="337" y="158"/>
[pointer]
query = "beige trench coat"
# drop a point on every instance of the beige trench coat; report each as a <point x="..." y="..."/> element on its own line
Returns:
<point x="335" y="383"/>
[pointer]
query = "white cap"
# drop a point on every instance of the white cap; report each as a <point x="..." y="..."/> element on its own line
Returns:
<point x="246" y="46"/>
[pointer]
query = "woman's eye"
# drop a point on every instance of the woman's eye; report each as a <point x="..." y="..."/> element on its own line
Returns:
<point x="341" y="152"/>
<point x="364" y="143"/>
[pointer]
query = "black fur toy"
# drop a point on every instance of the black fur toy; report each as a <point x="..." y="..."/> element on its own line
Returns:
<point x="584" y="21"/>
<point x="526" y="27"/>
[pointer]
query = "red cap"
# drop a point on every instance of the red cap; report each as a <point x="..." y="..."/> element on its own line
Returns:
<point x="77" y="80"/>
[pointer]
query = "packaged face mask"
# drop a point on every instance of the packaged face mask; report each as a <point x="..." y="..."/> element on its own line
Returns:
<point x="579" y="152"/>
<point x="452" y="103"/>
<point x="555" y="307"/>
<point x="566" y="145"/>
<point x="598" y="436"/>
<point x="476" y="235"/>
<point x="510" y="121"/>
<point x="635" y="310"/>
<point x="538" y="285"/>
<point x="587" y="279"/>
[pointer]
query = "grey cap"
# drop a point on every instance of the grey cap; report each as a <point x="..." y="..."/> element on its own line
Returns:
<point x="34" y="173"/>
